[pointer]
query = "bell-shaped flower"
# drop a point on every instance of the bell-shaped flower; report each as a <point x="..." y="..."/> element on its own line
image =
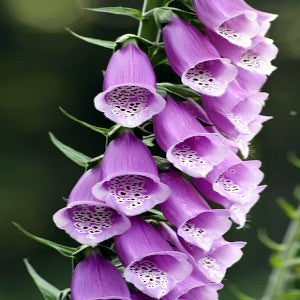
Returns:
<point x="238" y="211"/>
<point x="234" y="20"/>
<point x="189" y="147"/>
<point x="97" y="278"/>
<point x="129" y="97"/>
<point x="150" y="262"/>
<point x="140" y="296"/>
<point x="257" y="58"/>
<point x="250" y="81"/>
<point x="195" y="221"/>
<point x="85" y="218"/>
<point x="195" y="59"/>
<point x="130" y="181"/>
<point x="235" y="179"/>
<point x="196" y="286"/>
<point x="213" y="264"/>
<point x="232" y="112"/>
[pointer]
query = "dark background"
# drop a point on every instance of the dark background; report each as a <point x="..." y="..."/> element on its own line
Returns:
<point x="43" y="67"/>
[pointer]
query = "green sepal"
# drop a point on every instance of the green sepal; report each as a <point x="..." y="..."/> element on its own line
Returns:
<point x="148" y="140"/>
<point x="267" y="241"/>
<point x="65" y="294"/>
<point x="179" y="90"/>
<point x="67" y="251"/>
<point x="119" y="10"/>
<point x="162" y="163"/>
<point x="288" y="208"/>
<point x="76" y="156"/>
<point x="48" y="291"/>
<point x="98" y="42"/>
<point x="104" y="131"/>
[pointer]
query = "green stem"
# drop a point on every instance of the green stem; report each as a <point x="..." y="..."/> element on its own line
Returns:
<point x="278" y="279"/>
<point x="147" y="27"/>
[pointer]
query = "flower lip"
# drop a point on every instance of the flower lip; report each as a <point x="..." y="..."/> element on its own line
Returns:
<point x="210" y="77"/>
<point x="139" y="190"/>
<point x="190" y="160"/>
<point x="130" y="103"/>
<point x="166" y="268"/>
<point x="90" y="222"/>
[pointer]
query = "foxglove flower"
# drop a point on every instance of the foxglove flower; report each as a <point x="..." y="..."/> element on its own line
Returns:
<point x="195" y="59"/>
<point x="257" y="58"/>
<point x="250" y="81"/>
<point x="234" y="20"/>
<point x="235" y="179"/>
<point x="129" y="96"/>
<point x="150" y="262"/>
<point x="140" y="296"/>
<point x="194" y="287"/>
<point x="238" y="211"/>
<point x="188" y="145"/>
<point x="196" y="222"/>
<point x="235" y="110"/>
<point x="212" y="264"/>
<point x="97" y="278"/>
<point x="85" y="218"/>
<point x="130" y="181"/>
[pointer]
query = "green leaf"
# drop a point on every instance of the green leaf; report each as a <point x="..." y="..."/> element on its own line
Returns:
<point x="292" y="295"/>
<point x="102" y="130"/>
<point x="76" y="156"/>
<point x="264" y="238"/>
<point x="188" y="4"/>
<point x="239" y="294"/>
<point x="294" y="159"/>
<point x="64" y="250"/>
<point x="119" y="10"/>
<point x="288" y="208"/>
<point x="178" y="89"/>
<point x="98" y="42"/>
<point x="48" y="291"/>
<point x="296" y="192"/>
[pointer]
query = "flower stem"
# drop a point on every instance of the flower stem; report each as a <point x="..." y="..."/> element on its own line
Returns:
<point x="278" y="279"/>
<point x="147" y="27"/>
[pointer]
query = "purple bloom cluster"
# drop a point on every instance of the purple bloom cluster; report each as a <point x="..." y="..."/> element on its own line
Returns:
<point x="188" y="258"/>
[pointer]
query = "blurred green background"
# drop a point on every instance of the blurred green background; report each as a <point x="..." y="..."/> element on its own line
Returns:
<point x="43" y="67"/>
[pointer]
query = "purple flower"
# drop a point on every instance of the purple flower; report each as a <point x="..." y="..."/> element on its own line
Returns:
<point x="140" y="296"/>
<point x="150" y="262"/>
<point x="238" y="211"/>
<point x="212" y="264"/>
<point x="196" y="60"/>
<point x="130" y="181"/>
<point x="196" y="222"/>
<point x="129" y="96"/>
<point x="97" y="278"/>
<point x="257" y="58"/>
<point x="233" y="112"/>
<point x="189" y="146"/>
<point x="85" y="218"/>
<point x="250" y="81"/>
<point x="234" y="20"/>
<point x="194" y="287"/>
